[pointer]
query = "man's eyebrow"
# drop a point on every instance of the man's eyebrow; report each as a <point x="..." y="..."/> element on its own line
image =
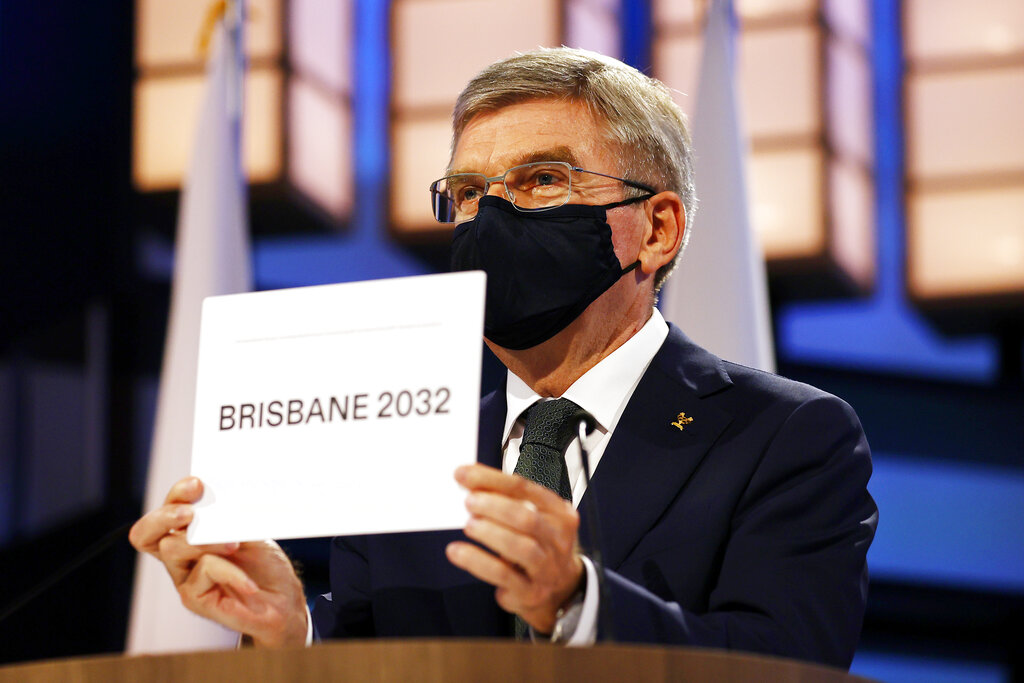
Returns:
<point x="554" y="154"/>
<point x="562" y="153"/>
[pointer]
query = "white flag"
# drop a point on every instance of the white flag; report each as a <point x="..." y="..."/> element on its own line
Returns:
<point x="719" y="294"/>
<point x="211" y="257"/>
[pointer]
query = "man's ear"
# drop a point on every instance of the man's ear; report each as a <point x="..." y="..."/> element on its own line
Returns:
<point x="667" y="220"/>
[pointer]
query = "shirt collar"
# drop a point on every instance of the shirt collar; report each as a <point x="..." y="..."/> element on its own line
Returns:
<point x="601" y="391"/>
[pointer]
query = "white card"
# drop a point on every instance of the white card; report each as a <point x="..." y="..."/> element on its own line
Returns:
<point x="339" y="409"/>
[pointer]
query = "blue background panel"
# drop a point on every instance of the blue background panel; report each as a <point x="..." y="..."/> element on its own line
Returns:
<point x="948" y="523"/>
<point x="895" y="668"/>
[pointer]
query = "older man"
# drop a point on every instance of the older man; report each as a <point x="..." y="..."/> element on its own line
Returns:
<point x="733" y="503"/>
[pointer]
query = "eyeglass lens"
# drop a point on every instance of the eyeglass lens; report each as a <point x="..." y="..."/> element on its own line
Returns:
<point x="539" y="185"/>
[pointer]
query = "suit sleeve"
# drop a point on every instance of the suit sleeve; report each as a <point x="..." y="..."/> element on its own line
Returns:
<point x="793" y="579"/>
<point x="345" y="611"/>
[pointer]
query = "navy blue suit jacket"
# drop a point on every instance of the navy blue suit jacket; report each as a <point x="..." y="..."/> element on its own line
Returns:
<point x="747" y="529"/>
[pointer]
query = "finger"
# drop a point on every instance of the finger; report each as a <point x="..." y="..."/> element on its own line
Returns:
<point x="523" y="515"/>
<point x="220" y="590"/>
<point x="146" y="533"/>
<point x="481" y="477"/>
<point x="271" y="608"/>
<point x="485" y="566"/>
<point x="220" y="548"/>
<point x="180" y="557"/>
<point x="215" y="572"/>
<point x="519" y="549"/>
<point x="187" y="490"/>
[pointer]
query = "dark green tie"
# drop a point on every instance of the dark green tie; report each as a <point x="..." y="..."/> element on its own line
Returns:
<point x="550" y="427"/>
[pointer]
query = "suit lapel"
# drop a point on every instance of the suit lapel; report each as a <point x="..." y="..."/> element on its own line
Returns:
<point x="648" y="458"/>
<point x="492" y="422"/>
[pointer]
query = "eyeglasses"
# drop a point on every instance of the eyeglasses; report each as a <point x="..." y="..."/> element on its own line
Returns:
<point x="537" y="186"/>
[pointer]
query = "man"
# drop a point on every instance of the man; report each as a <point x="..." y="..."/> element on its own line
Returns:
<point x="733" y="503"/>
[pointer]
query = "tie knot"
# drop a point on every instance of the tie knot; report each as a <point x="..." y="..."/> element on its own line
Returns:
<point x="553" y="423"/>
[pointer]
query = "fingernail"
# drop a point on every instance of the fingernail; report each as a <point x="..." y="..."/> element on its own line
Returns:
<point x="472" y="500"/>
<point x="232" y="547"/>
<point x="251" y="586"/>
<point x="452" y="550"/>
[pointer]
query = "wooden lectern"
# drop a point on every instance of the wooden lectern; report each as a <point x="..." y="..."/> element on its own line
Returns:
<point x="430" y="660"/>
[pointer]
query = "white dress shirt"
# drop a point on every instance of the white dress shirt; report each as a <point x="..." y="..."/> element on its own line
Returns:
<point x="603" y="391"/>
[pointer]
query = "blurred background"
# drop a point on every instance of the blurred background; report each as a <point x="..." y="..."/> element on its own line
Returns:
<point x="887" y="188"/>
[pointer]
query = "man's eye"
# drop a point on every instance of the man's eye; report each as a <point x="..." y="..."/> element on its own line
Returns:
<point x="546" y="177"/>
<point x="468" y="194"/>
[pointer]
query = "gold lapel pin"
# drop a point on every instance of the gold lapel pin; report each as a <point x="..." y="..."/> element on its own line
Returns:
<point x="682" y="421"/>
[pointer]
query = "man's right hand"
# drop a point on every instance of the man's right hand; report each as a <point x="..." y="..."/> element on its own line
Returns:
<point x="248" y="587"/>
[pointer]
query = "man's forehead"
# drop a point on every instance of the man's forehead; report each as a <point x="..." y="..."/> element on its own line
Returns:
<point x="521" y="133"/>
<point x="529" y="156"/>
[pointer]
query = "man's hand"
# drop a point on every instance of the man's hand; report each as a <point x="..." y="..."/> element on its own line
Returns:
<point x="532" y="533"/>
<point x="248" y="587"/>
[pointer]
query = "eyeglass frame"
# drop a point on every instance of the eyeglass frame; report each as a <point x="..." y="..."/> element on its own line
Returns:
<point x="508" y="193"/>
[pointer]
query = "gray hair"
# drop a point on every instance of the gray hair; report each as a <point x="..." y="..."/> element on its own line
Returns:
<point x="637" y="112"/>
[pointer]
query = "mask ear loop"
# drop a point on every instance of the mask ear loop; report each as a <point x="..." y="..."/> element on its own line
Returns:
<point x="627" y="202"/>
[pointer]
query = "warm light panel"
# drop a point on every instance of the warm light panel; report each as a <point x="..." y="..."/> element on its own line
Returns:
<point x="439" y="45"/>
<point x="677" y="13"/>
<point x="778" y="78"/>
<point x="968" y="122"/>
<point x="319" y="146"/>
<point x="318" y="142"/>
<point x="419" y="156"/>
<point x="780" y="74"/>
<point x="851" y="203"/>
<point x="965" y="150"/>
<point x="849" y="101"/>
<point x="690" y="13"/>
<point x="320" y="41"/>
<point x="965" y="243"/>
<point x="849" y="19"/>
<point x="805" y="89"/>
<point x="165" y="115"/>
<point x="942" y="29"/>
<point x="593" y="25"/>
<point x="786" y="202"/>
<point x="677" y="64"/>
<point x="758" y="9"/>
<point x="167" y="32"/>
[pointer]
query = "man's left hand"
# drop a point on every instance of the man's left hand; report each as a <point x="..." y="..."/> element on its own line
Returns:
<point x="531" y="532"/>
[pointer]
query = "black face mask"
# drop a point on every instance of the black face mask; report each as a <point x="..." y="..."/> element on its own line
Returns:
<point x="543" y="269"/>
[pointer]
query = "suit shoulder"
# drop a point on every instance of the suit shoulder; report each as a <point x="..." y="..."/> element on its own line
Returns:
<point x="757" y="387"/>
<point x="711" y="377"/>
